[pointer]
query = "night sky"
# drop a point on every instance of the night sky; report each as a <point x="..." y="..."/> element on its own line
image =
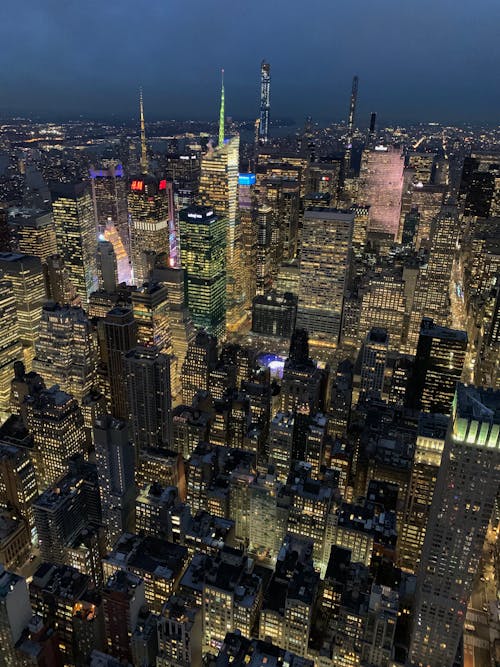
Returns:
<point x="416" y="59"/>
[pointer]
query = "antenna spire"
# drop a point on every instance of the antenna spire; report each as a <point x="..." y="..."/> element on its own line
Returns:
<point x="221" y="115"/>
<point x="144" y="155"/>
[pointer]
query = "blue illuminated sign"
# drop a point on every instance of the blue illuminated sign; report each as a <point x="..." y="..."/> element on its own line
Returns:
<point x="246" y="179"/>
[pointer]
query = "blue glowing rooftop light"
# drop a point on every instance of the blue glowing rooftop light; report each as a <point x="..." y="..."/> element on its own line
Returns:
<point x="246" y="179"/>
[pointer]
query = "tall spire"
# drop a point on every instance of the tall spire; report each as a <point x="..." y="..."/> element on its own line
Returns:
<point x="221" y="115"/>
<point x="144" y="155"/>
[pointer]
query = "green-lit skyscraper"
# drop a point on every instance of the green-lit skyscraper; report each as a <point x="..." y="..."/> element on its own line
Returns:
<point x="203" y="257"/>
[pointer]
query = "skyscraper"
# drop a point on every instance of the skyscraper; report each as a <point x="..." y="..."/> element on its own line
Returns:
<point x="28" y="287"/>
<point x="152" y="216"/>
<point x="107" y="267"/>
<point x="466" y="488"/>
<point x="55" y="420"/>
<point x="200" y="359"/>
<point x="150" y="308"/>
<point x="381" y="186"/>
<point x="324" y="262"/>
<point x="247" y="200"/>
<point x="150" y="209"/>
<point x="265" y="91"/>
<point x="115" y="457"/>
<point x="11" y="349"/>
<point x="219" y="190"/>
<point x="35" y="235"/>
<point x="76" y="235"/>
<point x="438" y="367"/>
<point x="373" y="364"/>
<point x="66" y="352"/>
<point x="203" y="255"/>
<point x="149" y="397"/>
<point x="109" y="194"/>
<point x="118" y="333"/>
<point x="350" y="125"/>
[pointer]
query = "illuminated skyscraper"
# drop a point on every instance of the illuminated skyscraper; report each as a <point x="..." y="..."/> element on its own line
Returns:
<point x="76" y="235"/>
<point x="66" y="352"/>
<point x="118" y="335"/>
<point x="219" y="191"/>
<point x="263" y="266"/>
<point x="11" y="349"/>
<point x="28" y="287"/>
<point x="265" y="92"/>
<point x="428" y="451"/>
<point x="200" y="359"/>
<point x="247" y="198"/>
<point x="151" y="314"/>
<point x="109" y="194"/>
<point x="381" y="186"/>
<point x="373" y="363"/>
<point x="350" y="125"/>
<point x="149" y="397"/>
<point x="115" y="457"/>
<point x="326" y="250"/>
<point x="55" y="420"/>
<point x="203" y="255"/>
<point x="181" y="323"/>
<point x="18" y="486"/>
<point x="150" y="205"/>
<point x="438" y="367"/>
<point x="35" y="235"/>
<point x="58" y="285"/>
<point x="466" y="488"/>
<point x="152" y="216"/>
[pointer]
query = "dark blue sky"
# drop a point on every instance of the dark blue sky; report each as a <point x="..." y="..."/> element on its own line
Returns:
<point x="416" y="59"/>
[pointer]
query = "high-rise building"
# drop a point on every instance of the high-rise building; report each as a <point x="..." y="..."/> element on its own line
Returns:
<point x="200" y="359"/>
<point x="263" y="255"/>
<point x="118" y="333"/>
<point x="18" y="487"/>
<point x="373" y="363"/>
<point x="179" y="634"/>
<point x="35" y="235"/>
<point x="219" y="191"/>
<point x="76" y="235"/>
<point x="203" y="256"/>
<point x="438" y="367"/>
<point x="427" y="459"/>
<point x="265" y="104"/>
<point x="247" y="199"/>
<point x="107" y="267"/>
<point x="149" y="397"/>
<point x="281" y="441"/>
<point x="66" y="352"/>
<point x="295" y="584"/>
<point x="150" y="205"/>
<point x="350" y="124"/>
<point x="123" y="597"/>
<point x="381" y="186"/>
<point x="151" y="314"/>
<point x="15" y="614"/>
<point x="109" y="194"/>
<point x="462" y="505"/>
<point x="151" y="214"/>
<point x="55" y="420"/>
<point x="274" y="314"/>
<point x="229" y="602"/>
<point x="11" y="349"/>
<point x="324" y="262"/>
<point x="115" y="455"/>
<point x="58" y="285"/>
<point x="28" y="287"/>
<point x="181" y="324"/>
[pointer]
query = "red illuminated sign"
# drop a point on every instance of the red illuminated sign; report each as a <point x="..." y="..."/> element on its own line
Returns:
<point x="137" y="185"/>
<point x="163" y="184"/>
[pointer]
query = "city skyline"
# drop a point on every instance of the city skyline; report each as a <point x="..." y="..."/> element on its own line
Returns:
<point x="312" y="66"/>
